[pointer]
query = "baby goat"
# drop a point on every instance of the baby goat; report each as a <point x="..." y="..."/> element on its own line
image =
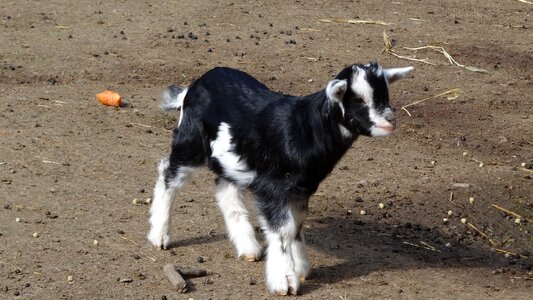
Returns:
<point x="279" y="147"/>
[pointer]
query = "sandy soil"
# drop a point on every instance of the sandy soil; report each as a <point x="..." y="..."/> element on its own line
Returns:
<point x="70" y="167"/>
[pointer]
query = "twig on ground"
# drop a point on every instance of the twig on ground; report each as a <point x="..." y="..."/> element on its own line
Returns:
<point x="509" y="253"/>
<point x="492" y="242"/>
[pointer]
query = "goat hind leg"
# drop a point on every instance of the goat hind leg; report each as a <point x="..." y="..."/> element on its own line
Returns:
<point x="166" y="187"/>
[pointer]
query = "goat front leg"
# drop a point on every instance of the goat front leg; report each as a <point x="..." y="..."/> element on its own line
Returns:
<point x="240" y="231"/>
<point x="286" y="262"/>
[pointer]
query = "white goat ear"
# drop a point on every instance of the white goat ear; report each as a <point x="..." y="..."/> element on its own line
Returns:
<point x="336" y="89"/>
<point x="396" y="73"/>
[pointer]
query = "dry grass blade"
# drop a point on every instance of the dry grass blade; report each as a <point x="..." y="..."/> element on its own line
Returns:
<point x="453" y="94"/>
<point x="448" y="56"/>
<point x="354" y="21"/>
<point x="388" y="49"/>
<point x="517" y="216"/>
<point x="510" y="253"/>
<point x="430" y="247"/>
<point x="525" y="1"/>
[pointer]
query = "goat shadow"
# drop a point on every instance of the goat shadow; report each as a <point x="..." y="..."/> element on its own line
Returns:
<point x="368" y="247"/>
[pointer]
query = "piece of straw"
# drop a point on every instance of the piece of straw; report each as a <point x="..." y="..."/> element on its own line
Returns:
<point x="493" y="243"/>
<point x="454" y="93"/>
<point x="448" y="56"/>
<point x="388" y="49"/>
<point x="517" y="216"/>
<point x="354" y="21"/>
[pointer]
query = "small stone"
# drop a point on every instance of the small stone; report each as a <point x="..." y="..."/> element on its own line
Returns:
<point x="349" y="212"/>
<point x="70" y="278"/>
<point x="363" y="212"/>
<point x="35" y="234"/>
<point x="481" y="165"/>
<point x="200" y="259"/>
<point x="17" y="220"/>
<point x="450" y="213"/>
<point x="518" y="221"/>
<point x="471" y="200"/>
<point x="135" y="201"/>
<point x="463" y="220"/>
<point x="381" y="205"/>
<point x="95" y="242"/>
<point x="465" y="153"/>
<point x="433" y="163"/>
<point x="523" y="164"/>
<point x="448" y="245"/>
<point x="445" y="220"/>
<point x="148" y="200"/>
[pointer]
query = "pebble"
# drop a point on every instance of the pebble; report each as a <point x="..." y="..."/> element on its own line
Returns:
<point x="35" y="234"/>
<point x="135" y="201"/>
<point x="363" y="212"/>
<point x="381" y="205"/>
<point x="17" y="220"/>
<point x="95" y="242"/>
<point x="70" y="278"/>
<point x="450" y="213"/>
<point x="471" y="200"/>
<point x="463" y="220"/>
<point x="445" y="220"/>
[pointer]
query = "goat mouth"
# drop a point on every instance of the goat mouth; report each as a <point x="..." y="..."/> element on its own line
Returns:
<point x="388" y="128"/>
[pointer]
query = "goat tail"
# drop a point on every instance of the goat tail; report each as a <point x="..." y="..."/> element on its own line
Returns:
<point x="173" y="97"/>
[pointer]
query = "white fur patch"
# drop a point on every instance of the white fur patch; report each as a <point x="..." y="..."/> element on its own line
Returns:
<point x="233" y="166"/>
<point x="362" y="88"/>
<point x="240" y="231"/>
<point x="179" y="103"/>
<point x="347" y="134"/>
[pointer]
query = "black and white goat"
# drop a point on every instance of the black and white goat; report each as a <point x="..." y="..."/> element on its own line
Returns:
<point x="279" y="147"/>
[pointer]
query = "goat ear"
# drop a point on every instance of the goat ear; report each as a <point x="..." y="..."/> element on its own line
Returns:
<point x="396" y="73"/>
<point x="336" y="89"/>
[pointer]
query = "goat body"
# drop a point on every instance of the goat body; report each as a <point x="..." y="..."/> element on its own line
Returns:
<point x="279" y="147"/>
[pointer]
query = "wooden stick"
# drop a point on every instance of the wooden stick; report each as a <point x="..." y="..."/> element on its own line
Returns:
<point x="175" y="278"/>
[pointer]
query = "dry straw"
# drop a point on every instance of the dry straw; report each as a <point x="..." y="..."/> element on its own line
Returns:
<point x="389" y="49"/>
<point x="354" y="21"/>
<point x="450" y="95"/>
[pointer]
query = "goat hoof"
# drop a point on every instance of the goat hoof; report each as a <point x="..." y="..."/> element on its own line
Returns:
<point x="250" y="257"/>
<point x="159" y="241"/>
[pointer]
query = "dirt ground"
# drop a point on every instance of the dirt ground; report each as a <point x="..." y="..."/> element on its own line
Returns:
<point x="70" y="167"/>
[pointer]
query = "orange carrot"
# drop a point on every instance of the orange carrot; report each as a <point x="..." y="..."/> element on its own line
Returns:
<point x="109" y="98"/>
